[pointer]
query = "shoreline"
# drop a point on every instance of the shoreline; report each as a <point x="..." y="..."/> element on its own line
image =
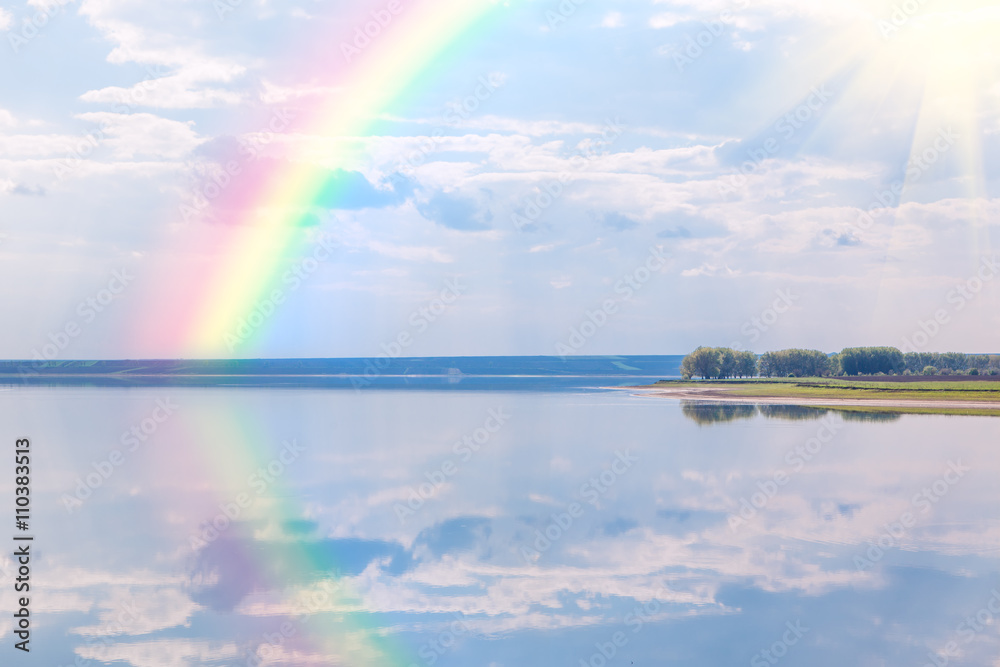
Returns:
<point x="726" y="395"/>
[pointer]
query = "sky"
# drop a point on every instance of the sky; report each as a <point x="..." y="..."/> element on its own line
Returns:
<point x="263" y="179"/>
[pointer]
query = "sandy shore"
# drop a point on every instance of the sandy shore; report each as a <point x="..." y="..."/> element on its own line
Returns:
<point x="721" y="395"/>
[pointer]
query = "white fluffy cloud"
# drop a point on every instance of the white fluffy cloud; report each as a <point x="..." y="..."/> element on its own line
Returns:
<point x="172" y="653"/>
<point x="186" y="89"/>
<point x="145" y="135"/>
<point x="179" y="74"/>
<point x="173" y="82"/>
<point x="613" y="20"/>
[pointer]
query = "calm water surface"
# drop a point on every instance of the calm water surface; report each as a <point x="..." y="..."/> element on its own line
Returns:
<point x="186" y="526"/>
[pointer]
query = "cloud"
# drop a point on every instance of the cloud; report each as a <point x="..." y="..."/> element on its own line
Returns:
<point x="829" y="238"/>
<point x="620" y="222"/>
<point x="143" y="134"/>
<point x="455" y="535"/>
<point x="180" y="74"/>
<point x="619" y="526"/>
<point x="350" y="190"/>
<point x="172" y="653"/>
<point x="27" y="190"/>
<point x="6" y="19"/>
<point x="227" y="181"/>
<point x="613" y="20"/>
<point x="456" y="212"/>
<point x="410" y="253"/>
<point x="529" y="128"/>
<point x="709" y="270"/>
<point x="180" y="90"/>
<point x="142" y="614"/>
<point x="774" y="9"/>
<point x="675" y="233"/>
<point x="273" y="93"/>
<point x="40" y="145"/>
<point x="233" y="575"/>
<point x="46" y="4"/>
<point x="666" y="20"/>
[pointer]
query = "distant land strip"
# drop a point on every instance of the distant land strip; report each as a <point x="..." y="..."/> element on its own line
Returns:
<point x="658" y="366"/>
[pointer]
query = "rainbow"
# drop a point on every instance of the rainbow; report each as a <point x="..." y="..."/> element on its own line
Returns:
<point x="233" y="446"/>
<point x="380" y="57"/>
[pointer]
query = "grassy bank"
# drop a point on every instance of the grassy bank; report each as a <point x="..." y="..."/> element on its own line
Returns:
<point x="939" y="389"/>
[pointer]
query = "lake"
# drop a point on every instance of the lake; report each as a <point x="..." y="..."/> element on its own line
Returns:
<point x="498" y="525"/>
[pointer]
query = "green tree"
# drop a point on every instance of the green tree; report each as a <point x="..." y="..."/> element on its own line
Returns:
<point x="727" y="362"/>
<point x="836" y="366"/>
<point x="746" y="364"/>
<point x="795" y="363"/>
<point x="872" y="360"/>
<point x="703" y="362"/>
<point x="953" y="361"/>
<point x="768" y="365"/>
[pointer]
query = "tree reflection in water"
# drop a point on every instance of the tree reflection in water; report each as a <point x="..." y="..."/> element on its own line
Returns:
<point x="716" y="413"/>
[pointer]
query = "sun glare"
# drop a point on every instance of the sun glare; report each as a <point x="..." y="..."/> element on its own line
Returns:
<point x="917" y="81"/>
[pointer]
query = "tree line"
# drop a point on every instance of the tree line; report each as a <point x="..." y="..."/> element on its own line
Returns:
<point x="951" y="362"/>
<point x="720" y="363"/>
